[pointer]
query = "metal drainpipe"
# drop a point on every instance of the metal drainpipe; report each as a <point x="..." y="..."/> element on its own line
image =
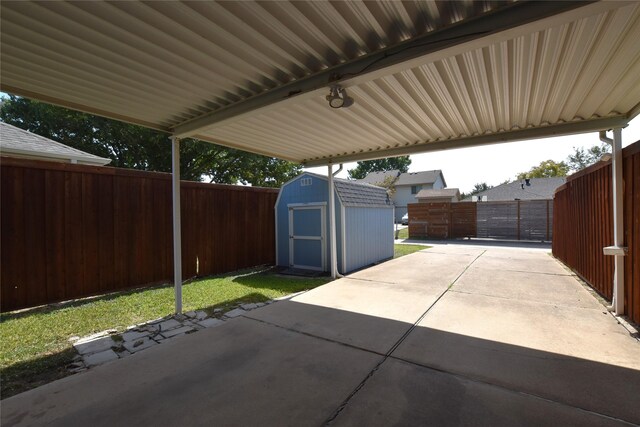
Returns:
<point x="617" y="250"/>
<point x="177" y="232"/>
<point x="333" y="251"/>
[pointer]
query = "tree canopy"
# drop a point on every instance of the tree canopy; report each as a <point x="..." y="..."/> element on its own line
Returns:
<point x="580" y="158"/>
<point x="135" y="147"/>
<point x="546" y="169"/>
<point x="381" y="165"/>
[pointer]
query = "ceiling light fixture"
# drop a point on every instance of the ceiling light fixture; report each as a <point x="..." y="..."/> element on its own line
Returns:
<point x="338" y="98"/>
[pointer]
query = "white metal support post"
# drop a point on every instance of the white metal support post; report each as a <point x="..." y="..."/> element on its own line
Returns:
<point x="177" y="232"/>
<point x="618" y="222"/>
<point x="333" y="258"/>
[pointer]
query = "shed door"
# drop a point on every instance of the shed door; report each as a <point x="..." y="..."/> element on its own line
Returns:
<point x="307" y="237"/>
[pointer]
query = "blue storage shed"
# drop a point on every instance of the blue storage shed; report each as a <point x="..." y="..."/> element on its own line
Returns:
<point x="364" y="224"/>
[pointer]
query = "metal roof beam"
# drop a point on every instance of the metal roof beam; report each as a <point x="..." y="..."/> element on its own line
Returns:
<point x="387" y="60"/>
<point x="474" y="141"/>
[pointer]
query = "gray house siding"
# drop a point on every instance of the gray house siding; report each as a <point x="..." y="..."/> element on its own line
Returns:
<point x="403" y="197"/>
<point x="361" y="244"/>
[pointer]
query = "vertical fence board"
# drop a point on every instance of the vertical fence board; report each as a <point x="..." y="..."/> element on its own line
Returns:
<point x="70" y="231"/>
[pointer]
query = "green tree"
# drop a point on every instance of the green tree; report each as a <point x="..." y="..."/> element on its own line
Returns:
<point x="478" y="188"/>
<point x="546" y="169"/>
<point x="382" y="165"/>
<point x="580" y="158"/>
<point x="135" y="147"/>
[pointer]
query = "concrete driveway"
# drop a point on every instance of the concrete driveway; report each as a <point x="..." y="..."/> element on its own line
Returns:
<point x="453" y="335"/>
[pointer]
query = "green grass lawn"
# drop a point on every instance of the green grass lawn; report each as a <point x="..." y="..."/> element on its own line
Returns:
<point x="401" y="250"/>
<point x="403" y="233"/>
<point x="35" y="346"/>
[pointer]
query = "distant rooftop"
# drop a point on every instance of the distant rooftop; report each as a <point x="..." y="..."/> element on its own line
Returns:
<point x="16" y="142"/>
<point x="539" y="189"/>
<point x="407" y="178"/>
<point x="374" y="178"/>
<point x="442" y="193"/>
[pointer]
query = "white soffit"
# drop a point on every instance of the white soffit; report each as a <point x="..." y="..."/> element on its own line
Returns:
<point x="169" y="65"/>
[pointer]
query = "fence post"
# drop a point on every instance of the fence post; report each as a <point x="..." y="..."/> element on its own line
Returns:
<point x="547" y="220"/>
<point x="518" y="219"/>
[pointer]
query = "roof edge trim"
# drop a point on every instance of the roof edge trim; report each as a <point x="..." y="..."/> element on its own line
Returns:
<point x="561" y="129"/>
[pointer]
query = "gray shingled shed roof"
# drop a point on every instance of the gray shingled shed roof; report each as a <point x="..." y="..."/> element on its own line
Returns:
<point x="415" y="178"/>
<point x="21" y="143"/>
<point x="354" y="194"/>
<point x="540" y="189"/>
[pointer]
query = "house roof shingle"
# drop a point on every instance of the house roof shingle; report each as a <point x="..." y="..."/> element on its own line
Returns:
<point x="444" y="192"/>
<point x="540" y="189"/>
<point x="16" y="141"/>
<point x="406" y="178"/>
<point x="415" y="178"/>
<point x="374" y="178"/>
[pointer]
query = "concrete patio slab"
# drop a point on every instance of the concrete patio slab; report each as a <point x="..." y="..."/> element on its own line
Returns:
<point x="401" y="302"/>
<point x="403" y="394"/>
<point x="534" y="262"/>
<point x="245" y="373"/>
<point x="525" y="286"/>
<point x="420" y="268"/>
<point x="577" y="356"/>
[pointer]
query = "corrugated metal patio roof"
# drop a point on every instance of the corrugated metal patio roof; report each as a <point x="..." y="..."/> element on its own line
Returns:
<point x="254" y="75"/>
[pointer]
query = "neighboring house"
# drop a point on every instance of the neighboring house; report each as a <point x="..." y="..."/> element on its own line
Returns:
<point x="16" y="142"/>
<point x="407" y="186"/>
<point x="441" y="195"/>
<point x="525" y="189"/>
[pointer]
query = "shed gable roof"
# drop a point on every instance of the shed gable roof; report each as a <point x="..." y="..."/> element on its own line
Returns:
<point x="18" y="141"/>
<point x="357" y="194"/>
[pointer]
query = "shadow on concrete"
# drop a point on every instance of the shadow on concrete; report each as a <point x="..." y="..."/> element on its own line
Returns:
<point x="300" y="364"/>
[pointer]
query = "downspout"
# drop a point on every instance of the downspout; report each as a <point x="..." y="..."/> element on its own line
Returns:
<point x="617" y="250"/>
<point x="333" y="251"/>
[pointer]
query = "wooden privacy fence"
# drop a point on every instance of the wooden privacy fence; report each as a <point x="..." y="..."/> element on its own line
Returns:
<point x="583" y="225"/>
<point x="442" y="220"/>
<point x="72" y="231"/>
<point x="514" y="220"/>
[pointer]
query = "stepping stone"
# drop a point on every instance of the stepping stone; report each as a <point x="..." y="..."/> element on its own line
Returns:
<point x="175" y="332"/>
<point x="211" y="323"/>
<point x="235" y="313"/>
<point x="190" y="314"/>
<point x="169" y="324"/>
<point x="134" y="335"/>
<point x="141" y="344"/>
<point x="248" y="306"/>
<point x="95" y="345"/>
<point x="201" y="315"/>
<point x="96" y="359"/>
